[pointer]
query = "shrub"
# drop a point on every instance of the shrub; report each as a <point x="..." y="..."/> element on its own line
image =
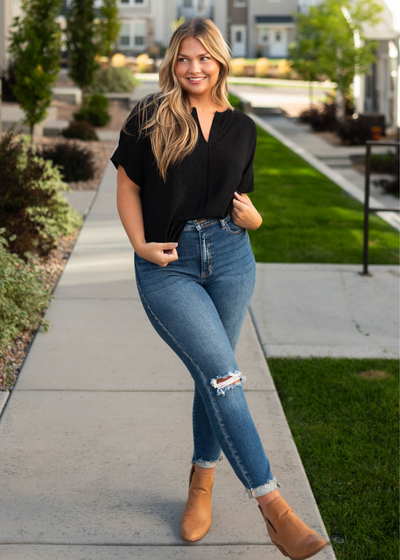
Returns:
<point x="320" y="118"/>
<point x="81" y="130"/>
<point x="262" y="66"/>
<point x="77" y="164"/>
<point x="94" y="110"/>
<point x="8" y="81"/>
<point x="237" y="66"/>
<point x="23" y="296"/>
<point x="33" y="210"/>
<point x="353" y="132"/>
<point x="114" y="79"/>
<point x="284" y="68"/>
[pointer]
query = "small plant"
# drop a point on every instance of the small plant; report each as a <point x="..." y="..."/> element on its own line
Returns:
<point x="33" y="210"/>
<point x="81" y="130"/>
<point x="94" y="110"/>
<point x="23" y="295"/>
<point x="262" y="66"/>
<point x="77" y="164"/>
<point x="354" y="132"/>
<point x="114" y="79"/>
<point x="284" y="68"/>
<point x="237" y="66"/>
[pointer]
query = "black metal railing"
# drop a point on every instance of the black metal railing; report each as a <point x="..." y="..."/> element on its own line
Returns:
<point x="367" y="209"/>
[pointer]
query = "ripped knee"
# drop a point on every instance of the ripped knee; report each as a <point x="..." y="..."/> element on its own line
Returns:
<point x="228" y="381"/>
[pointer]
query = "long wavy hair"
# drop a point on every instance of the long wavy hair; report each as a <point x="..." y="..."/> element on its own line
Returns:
<point x="171" y="127"/>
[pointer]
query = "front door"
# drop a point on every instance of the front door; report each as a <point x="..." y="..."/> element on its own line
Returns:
<point x="238" y="40"/>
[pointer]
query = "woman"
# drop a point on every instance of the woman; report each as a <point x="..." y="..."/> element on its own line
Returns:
<point x="185" y="162"/>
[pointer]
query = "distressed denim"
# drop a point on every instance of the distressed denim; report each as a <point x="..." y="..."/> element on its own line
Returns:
<point x="197" y="304"/>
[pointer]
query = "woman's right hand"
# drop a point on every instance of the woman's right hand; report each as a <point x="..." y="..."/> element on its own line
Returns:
<point x="158" y="253"/>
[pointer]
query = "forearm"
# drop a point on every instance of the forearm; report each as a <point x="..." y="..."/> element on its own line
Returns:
<point x="129" y="206"/>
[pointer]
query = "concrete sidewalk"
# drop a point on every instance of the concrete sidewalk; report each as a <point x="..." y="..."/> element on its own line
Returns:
<point x="96" y="436"/>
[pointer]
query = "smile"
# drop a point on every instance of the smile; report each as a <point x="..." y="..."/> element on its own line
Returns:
<point x="195" y="80"/>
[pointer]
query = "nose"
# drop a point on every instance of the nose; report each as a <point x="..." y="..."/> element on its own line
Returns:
<point x="194" y="67"/>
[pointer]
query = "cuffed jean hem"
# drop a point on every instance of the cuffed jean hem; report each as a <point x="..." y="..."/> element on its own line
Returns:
<point x="207" y="464"/>
<point x="264" y="489"/>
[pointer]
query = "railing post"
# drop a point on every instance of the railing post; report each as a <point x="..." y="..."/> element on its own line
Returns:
<point x="366" y="209"/>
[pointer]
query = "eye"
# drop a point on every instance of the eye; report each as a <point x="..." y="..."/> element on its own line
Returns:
<point x="181" y="59"/>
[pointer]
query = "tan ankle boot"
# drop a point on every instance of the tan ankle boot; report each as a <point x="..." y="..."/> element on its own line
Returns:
<point x="289" y="533"/>
<point x="196" y="519"/>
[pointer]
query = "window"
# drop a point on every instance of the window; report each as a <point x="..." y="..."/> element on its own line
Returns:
<point x="187" y="4"/>
<point x="264" y="35"/>
<point x="124" y="36"/>
<point x="278" y="36"/>
<point x="139" y="33"/>
<point x="238" y="36"/>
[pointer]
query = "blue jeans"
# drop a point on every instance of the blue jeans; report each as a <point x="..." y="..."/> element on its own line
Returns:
<point x="197" y="304"/>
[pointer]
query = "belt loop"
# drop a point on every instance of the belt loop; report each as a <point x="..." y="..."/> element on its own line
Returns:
<point x="222" y="222"/>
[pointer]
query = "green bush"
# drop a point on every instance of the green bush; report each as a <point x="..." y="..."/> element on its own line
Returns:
<point x="235" y="101"/>
<point x="114" y="80"/>
<point x="23" y="295"/>
<point x="77" y="164"/>
<point x="82" y="130"/>
<point x="94" y="110"/>
<point x="33" y="210"/>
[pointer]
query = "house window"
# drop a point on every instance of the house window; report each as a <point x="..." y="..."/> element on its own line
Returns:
<point x="238" y="36"/>
<point x="187" y="4"/>
<point x="138" y="2"/>
<point x="124" y="36"/>
<point x="264" y="36"/>
<point x="278" y="36"/>
<point x="139" y="33"/>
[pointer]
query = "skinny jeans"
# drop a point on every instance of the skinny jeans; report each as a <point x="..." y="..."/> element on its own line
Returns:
<point x="197" y="304"/>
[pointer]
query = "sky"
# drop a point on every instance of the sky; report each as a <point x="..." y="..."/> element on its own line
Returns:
<point x="394" y="7"/>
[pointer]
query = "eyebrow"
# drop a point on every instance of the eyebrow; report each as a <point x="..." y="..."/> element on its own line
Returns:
<point x="202" y="54"/>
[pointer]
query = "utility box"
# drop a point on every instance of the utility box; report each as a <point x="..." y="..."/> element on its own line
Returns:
<point x="374" y="122"/>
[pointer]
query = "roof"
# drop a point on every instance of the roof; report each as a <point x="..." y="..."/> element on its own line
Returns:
<point x="273" y="19"/>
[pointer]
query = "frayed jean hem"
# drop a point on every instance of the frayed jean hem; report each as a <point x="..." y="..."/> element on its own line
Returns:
<point x="206" y="464"/>
<point x="263" y="489"/>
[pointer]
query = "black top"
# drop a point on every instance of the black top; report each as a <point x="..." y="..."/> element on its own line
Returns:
<point x="202" y="185"/>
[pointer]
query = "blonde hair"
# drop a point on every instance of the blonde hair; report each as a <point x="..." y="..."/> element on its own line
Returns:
<point x="172" y="129"/>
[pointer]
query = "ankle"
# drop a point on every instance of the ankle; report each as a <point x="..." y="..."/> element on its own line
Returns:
<point x="202" y="470"/>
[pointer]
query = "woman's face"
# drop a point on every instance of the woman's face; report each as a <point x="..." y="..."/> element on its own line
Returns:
<point x="194" y="61"/>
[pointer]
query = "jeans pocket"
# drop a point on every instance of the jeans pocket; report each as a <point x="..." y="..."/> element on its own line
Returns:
<point x="232" y="228"/>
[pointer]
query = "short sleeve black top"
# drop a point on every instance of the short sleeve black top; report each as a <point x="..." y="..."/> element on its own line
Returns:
<point x="202" y="185"/>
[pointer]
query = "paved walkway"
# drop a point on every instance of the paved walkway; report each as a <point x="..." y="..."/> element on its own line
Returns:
<point x="96" y="437"/>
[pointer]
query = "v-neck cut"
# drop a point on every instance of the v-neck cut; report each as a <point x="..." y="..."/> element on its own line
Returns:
<point x="213" y="129"/>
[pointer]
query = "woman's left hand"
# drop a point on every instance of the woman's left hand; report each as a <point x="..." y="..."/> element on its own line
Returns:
<point x="244" y="213"/>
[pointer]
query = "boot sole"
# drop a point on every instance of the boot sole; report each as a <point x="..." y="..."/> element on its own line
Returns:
<point x="280" y="547"/>
<point x="199" y="538"/>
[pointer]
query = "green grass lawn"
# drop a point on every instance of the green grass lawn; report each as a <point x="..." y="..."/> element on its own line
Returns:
<point x="344" y="416"/>
<point x="306" y="217"/>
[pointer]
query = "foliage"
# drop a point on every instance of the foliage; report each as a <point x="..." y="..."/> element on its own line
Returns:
<point x="261" y="69"/>
<point x="33" y="209"/>
<point x="35" y="44"/>
<point x="354" y="132"/>
<point x="81" y="130"/>
<point x="234" y="101"/>
<point x="237" y="66"/>
<point x="109" y="27"/>
<point x="23" y="295"/>
<point x="113" y="79"/>
<point x="94" y="110"/>
<point x="77" y="164"/>
<point x="81" y="43"/>
<point x="8" y="81"/>
<point x="326" y="41"/>
<point x="284" y="68"/>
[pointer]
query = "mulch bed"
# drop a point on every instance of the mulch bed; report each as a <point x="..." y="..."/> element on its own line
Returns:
<point x="53" y="265"/>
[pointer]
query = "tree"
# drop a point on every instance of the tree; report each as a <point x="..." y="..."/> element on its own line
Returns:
<point x="109" y="28"/>
<point x="330" y="29"/>
<point x="82" y="46"/>
<point x="35" y="44"/>
<point x="304" y="52"/>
